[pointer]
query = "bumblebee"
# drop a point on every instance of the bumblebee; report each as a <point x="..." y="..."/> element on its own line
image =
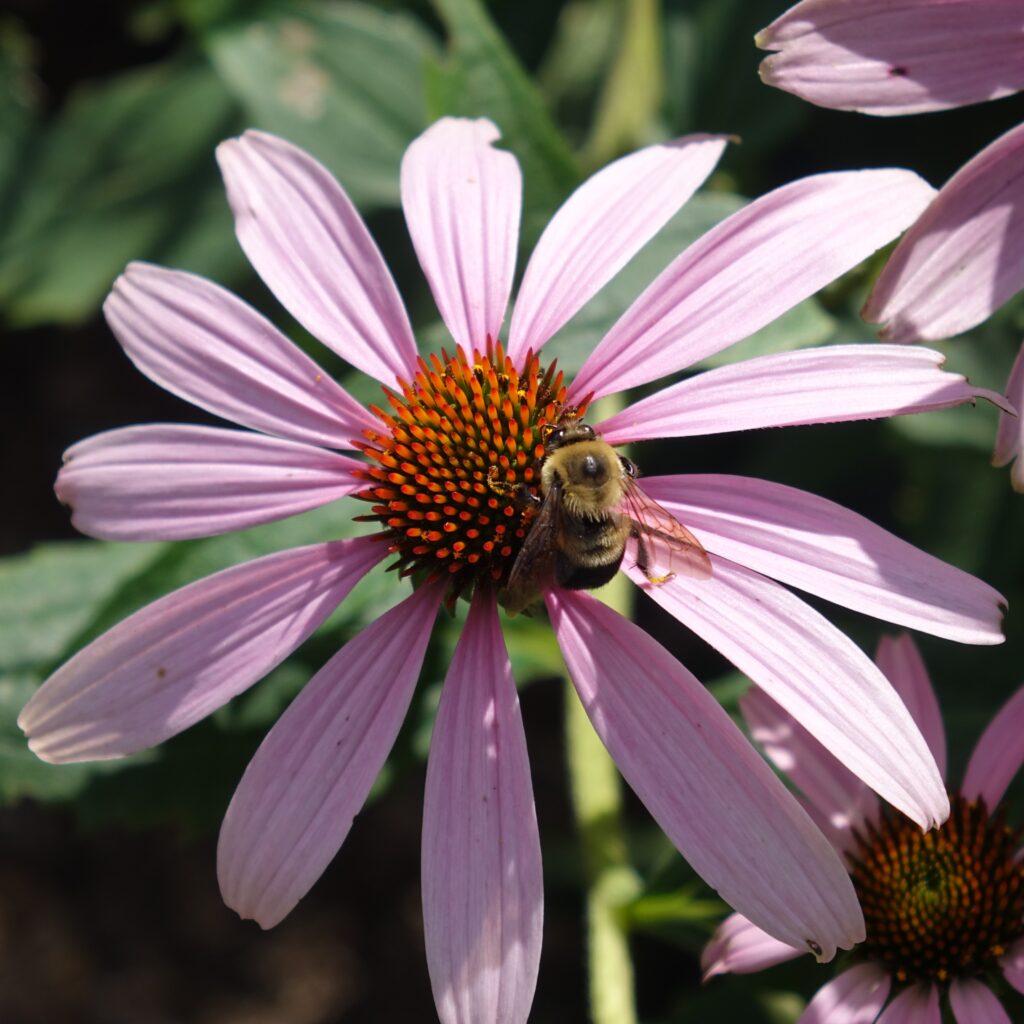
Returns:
<point x="589" y="508"/>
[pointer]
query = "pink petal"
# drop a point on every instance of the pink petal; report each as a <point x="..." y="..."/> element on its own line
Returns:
<point x="483" y="889"/>
<point x="295" y="804"/>
<point x="1013" y="965"/>
<point x="901" y="663"/>
<point x="964" y="257"/>
<point x="182" y="657"/>
<point x="816" y="674"/>
<point x="973" y="1003"/>
<point x="918" y="1004"/>
<point x="739" y="947"/>
<point x="838" y="800"/>
<point x="896" y="56"/>
<point x="462" y="198"/>
<point x="998" y="754"/>
<point x="210" y="348"/>
<point x="1010" y="436"/>
<point x="819" y="546"/>
<point x="308" y="242"/>
<point x="853" y="997"/>
<point x="718" y="802"/>
<point x="172" y="481"/>
<point x="786" y="389"/>
<point x="750" y="269"/>
<point x="599" y="229"/>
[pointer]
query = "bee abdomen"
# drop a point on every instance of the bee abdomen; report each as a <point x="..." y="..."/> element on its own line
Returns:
<point x="574" y="576"/>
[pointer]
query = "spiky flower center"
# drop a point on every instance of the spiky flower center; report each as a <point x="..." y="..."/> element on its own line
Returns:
<point x="940" y="904"/>
<point x="457" y="454"/>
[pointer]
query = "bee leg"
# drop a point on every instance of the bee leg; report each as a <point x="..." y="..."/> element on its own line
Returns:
<point x="520" y="493"/>
<point x="643" y="562"/>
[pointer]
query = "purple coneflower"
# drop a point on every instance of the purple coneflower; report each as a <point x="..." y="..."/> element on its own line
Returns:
<point x="944" y="909"/>
<point x="455" y="436"/>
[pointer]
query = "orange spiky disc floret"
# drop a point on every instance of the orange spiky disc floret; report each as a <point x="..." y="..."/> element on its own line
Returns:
<point x="942" y="904"/>
<point x="458" y="451"/>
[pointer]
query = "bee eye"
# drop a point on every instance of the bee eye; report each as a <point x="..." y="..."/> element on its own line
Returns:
<point x="628" y="467"/>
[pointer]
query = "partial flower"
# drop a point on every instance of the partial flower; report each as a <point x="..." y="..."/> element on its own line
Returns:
<point x="944" y="909"/>
<point x="1010" y="435"/>
<point x="449" y="463"/>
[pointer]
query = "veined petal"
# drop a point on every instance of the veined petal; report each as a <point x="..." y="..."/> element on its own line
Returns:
<point x="964" y="257"/>
<point x="203" y="344"/>
<point x="718" y="802"/>
<point x="918" y="1004"/>
<point x="182" y="657"/>
<point x="462" y="197"/>
<point x="998" y="754"/>
<point x="896" y="56"/>
<point x="1010" y="436"/>
<point x="814" y="544"/>
<point x="168" y="481"/>
<point x="853" y="997"/>
<point x="600" y="227"/>
<point x="902" y="664"/>
<point x="739" y="947"/>
<point x="749" y="269"/>
<point x="816" y="674"/>
<point x="786" y="389"/>
<point x="295" y="804"/>
<point x="974" y="1003"/>
<point x="307" y="241"/>
<point x="483" y="889"/>
<point x="1013" y="965"/>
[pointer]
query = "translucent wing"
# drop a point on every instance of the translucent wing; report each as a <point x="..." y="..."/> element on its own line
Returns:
<point x="532" y="568"/>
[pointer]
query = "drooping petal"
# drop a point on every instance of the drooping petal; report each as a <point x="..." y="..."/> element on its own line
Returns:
<point x="600" y="227"/>
<point x="182" y="657"/>
<point x="462" y="197"/>
<point x="853" y="997"/>
<point x="483" y="891"/>
<point x="1010" y="435"/>
<point x="816" y="674"/>
<point x="1013" y="965"/>
<point x="750" y="269"/>
<point x="896" y="56"/>
<point x="172" y="481"/>
<point x="964" y="257"/>
<point x="973" y="1003"/>
<point x="203" y="344"/>
<point x="814" y="544"/>
<point x="998" y="754"/>
<point x="307" y="241"/>
<point x="838" y="801"/>
<point x="739" y="947"/>
<point x="918" y="1004"/>
<point x="902" y="664"/>
<point x="785" y="389"/>
<point x="295" y="804"/>
<point x="718" y="802"/>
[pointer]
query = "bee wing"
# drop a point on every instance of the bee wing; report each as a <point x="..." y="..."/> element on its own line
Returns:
<point x="532" y="566"/>
<point x="665" y="547"/>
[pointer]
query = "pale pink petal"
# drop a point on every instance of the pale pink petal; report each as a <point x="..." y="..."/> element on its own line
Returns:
<point x="1013" y="965"/>
<point x="837" y="800"/>
<point x="1010" y="436"/>
<point x="461" y="197"/>
<point x="308" y="242"/>
<point x="853" y="997"/>
<point x="295" y="804"/>
<point x="973" y="1003"/>
<point x="750" y="269"/>
<point x="600" y="227"/>
<point x="739" y="947"/>
<point x="902" y="664"/>
<point x="819" y="676"/>
<point x="718" y="802"/>
<point x="998" y="754"/>
<point x="786" y="389"/>
<point x="819" y="546"/>
<point x="483" y="888"/>
<point x="171" y="481"/>
<point x="964" y="257"/>
<point x="203" y="344"/>
<point x="896" y="56"/>
<point x="918" y="1004"/>
<point x="183" y="656"/>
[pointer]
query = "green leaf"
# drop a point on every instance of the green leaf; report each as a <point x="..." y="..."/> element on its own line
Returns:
<point x="343" y="80"/>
